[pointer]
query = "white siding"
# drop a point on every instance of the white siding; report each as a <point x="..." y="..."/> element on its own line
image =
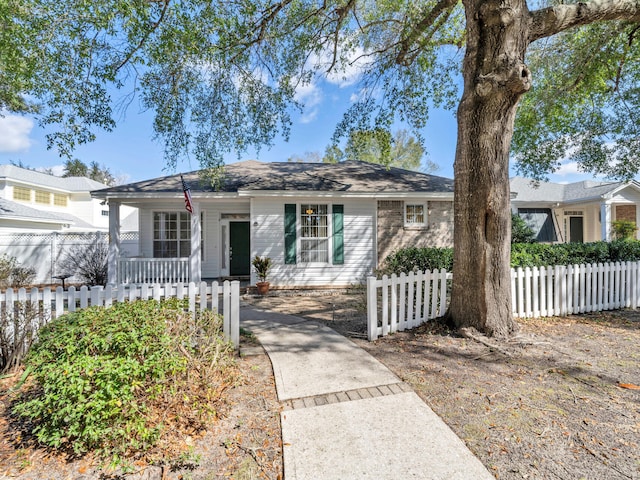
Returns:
<point x="212" y="212"/>
<point x="267" y="239"/>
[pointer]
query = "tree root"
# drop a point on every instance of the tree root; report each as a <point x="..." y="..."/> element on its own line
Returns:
<point x="473" y="334"/>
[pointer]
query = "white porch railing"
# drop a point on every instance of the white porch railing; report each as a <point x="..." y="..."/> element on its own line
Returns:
<point x="399" y="302"/>
<point x="153" y="270"/>
<point x="54" y="303"/>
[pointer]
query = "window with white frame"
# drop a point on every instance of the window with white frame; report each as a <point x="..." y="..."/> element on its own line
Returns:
<point x="21" y="193"/>
<point x="314" y="233"/>
<point x="415" y="214"/>
<point x="43" y="197"/>
<point x="171" y="234"/>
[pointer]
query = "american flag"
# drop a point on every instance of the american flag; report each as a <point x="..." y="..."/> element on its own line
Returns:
<point x="187" y="196"/>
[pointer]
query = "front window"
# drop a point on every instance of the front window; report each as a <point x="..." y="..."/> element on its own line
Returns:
<point x="314" y="244"/>
<point x="171" y="234"/>
<point x="414" y="214"/>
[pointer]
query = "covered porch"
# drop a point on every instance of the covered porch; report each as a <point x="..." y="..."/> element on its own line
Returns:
<point x="177" y="246"/>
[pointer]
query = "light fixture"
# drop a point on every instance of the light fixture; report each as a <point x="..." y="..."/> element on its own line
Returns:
<point x="309" y="211"/>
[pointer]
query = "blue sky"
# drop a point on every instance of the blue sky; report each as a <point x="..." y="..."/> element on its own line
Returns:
<point x="131" y="155"/>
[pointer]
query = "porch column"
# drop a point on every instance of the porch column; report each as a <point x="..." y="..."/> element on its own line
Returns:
<point x="605" y="221"/>
<point x="114" y="242"/>
<point x="195" y="258"/>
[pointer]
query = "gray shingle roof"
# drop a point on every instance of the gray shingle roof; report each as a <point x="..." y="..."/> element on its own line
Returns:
<point x="529" y="191"/>
<point x="70" y="184"/>
<point x="15" y="210"/>
<point x="252" y="175"/>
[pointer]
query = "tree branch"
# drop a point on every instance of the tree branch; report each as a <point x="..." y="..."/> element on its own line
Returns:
<point x="443" y="6"/>
<point x="145" y="37"/>
<point x="549" y="21"/>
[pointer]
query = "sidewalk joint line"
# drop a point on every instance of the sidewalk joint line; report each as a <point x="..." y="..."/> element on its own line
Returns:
<point x="346" y="396"/>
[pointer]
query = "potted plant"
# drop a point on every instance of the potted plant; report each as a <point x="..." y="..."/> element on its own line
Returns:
<point x="262" y="266"/>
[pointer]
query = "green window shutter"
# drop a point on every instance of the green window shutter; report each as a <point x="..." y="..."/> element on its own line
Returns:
<point x="290" y="233"/>
<point x="338" y="234"/>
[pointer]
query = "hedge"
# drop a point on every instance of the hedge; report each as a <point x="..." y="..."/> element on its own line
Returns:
<point x="522" y="255"/>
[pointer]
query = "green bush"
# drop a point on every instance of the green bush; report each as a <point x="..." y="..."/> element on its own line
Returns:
<point x="104" y="375"/>
<point x="520" y="231"/>
<point x="624" y="229"/>
<point x="413" y="259"/>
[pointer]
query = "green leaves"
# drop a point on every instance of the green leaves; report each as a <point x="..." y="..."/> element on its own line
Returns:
<point x="583" y="104"/>
<point x="104" y="375"/>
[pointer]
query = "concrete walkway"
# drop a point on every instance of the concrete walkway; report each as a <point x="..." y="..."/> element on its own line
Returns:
<point x="346" y="416"/>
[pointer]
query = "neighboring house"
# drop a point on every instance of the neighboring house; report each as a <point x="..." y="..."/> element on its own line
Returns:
<point x="574" y="212"/>
<point x="44" y="218"/>
<point x="321" y="224"/>
<point x="33" y="201"/>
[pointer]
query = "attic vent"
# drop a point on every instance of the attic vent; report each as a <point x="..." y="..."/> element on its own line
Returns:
<point x="573" y="213"/>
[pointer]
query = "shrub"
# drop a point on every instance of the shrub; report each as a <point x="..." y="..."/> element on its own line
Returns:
<point x="414" y="259"/>
<point x="88" y="263"/>
<point x="520" y="231"/>
<point x="624" y="229"/>
<point x="14" y="275"/>
<point x="19" y="324"/>
<point x="119" y="379"/>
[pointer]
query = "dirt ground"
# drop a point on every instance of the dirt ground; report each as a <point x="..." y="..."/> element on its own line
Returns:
<point x="244" y="444"/>
<point x="559" y="401"/>
<point x="556" y="402"/>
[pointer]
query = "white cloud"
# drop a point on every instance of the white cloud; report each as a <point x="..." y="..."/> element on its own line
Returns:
<point x="351" y="72"/>
<point x="14" y="133"/>
<point x="309" y="95"/>
<point x="568" y="168"/>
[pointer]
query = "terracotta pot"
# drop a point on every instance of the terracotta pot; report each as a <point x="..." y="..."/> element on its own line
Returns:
<point x="263" y="288"/>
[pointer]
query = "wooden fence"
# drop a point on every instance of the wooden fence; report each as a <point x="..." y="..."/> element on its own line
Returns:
<point x="566" y="290"/>
<point x="406" y="301"/>
<point x="53" y="303"/>
<point x="399" y="302"/>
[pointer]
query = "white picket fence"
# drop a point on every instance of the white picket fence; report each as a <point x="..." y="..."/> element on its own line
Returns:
<point x="400" y="302"/>
<point x="406" y="301"/>
<point x="566" y="290"/>
<point x="54" y="303"/>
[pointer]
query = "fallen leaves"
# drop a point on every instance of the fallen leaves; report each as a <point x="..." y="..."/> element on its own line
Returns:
<point x="629" y="386"/>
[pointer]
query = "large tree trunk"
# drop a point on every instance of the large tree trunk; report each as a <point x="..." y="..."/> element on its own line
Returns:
<point x="495" y="77"/>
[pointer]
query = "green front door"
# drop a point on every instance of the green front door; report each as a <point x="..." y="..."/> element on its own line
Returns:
<point x="239" y="249"/>
<point x="576" y="230"/>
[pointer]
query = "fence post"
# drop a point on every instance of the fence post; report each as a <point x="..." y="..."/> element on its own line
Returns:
<point x="408" y="323"/>
<point x="372" y="309"/>
<point x="385" y="302"/>
<point x="95" y="296"/>
<point x="235" y="314"/>
<point x="402" y="318"/>
<point x="520" y="289"/>
<point x="634" y="284"/>
<point x="419" y="316"/>
<point x="226" y="310"/>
